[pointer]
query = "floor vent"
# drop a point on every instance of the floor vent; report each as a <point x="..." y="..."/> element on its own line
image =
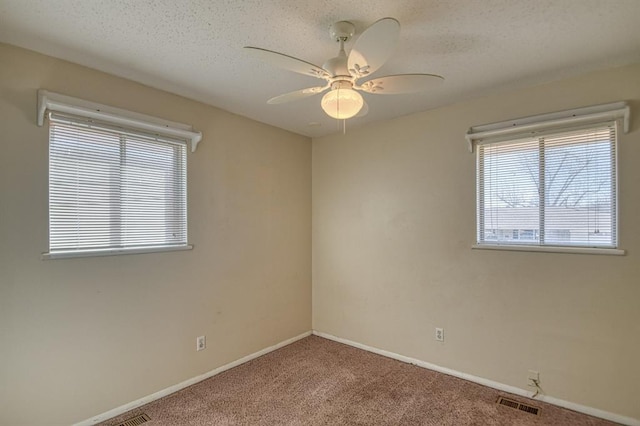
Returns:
<point x="135" y="421"/>
<point x="519" y="406"/>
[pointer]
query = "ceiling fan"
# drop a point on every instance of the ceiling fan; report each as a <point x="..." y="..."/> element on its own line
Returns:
<point x="342" y="73"/>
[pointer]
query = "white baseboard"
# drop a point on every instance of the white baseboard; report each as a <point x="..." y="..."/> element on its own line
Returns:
<point x="486" y="382"/>
<point x="171" y="389"/>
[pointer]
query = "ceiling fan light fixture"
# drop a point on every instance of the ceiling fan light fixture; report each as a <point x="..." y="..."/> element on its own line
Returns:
<point x="342" y="103"/>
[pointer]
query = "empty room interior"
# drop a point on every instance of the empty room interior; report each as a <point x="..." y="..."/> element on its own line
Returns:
<point x="319" y="212"/>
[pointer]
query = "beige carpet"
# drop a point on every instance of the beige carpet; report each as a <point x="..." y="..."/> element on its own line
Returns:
<point x="320" y="382"/>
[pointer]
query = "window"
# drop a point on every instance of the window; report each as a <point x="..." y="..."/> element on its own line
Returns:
<point x="114" y="190"/>
<point x="117" y="184"/>
<point x="547" y="186"/>
<point x="558" y="189"/>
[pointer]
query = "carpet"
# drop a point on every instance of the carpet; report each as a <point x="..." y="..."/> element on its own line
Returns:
<point x="316" y="381"/>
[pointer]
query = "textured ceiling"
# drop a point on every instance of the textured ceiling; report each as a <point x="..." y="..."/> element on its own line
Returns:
<point x="194" y="47"/>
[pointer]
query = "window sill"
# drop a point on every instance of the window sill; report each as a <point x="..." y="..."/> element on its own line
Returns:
<point x="111" y="252"/>
<point x="550" y="249"/>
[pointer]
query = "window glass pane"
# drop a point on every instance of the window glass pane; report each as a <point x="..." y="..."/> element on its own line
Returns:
<point x="83" y="169"/>
<point x="149" y="188"/>
<point x="510" y="192"/>
<point x="578" y="189"/>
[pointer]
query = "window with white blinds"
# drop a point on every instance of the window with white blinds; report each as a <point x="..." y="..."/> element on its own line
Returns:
<point x="552" y="189"/>
<point x="113" y="190"/>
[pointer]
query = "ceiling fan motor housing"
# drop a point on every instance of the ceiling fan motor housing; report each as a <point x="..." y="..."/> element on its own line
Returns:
<point x="341" y="84"/>
<point x="337" y="66"/>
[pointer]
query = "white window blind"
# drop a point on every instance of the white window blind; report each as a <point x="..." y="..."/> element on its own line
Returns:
<point x="114" y="190"/>
<point x="553" y="189"/>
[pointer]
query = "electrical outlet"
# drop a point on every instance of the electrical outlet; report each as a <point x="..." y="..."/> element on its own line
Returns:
<point x="533" y="378"/>
<point x="439" y="334"/>
<point x="201" y="343"/>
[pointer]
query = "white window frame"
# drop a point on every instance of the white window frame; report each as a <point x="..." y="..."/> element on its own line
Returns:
<point x="123" y="121"/>
<point x="618" y="112"/>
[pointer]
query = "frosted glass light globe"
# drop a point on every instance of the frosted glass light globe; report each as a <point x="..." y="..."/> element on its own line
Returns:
<point x="342" y="103"/>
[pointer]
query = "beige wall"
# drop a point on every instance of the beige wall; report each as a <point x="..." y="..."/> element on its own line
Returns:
<point x="79" y="337"/>
<point x="393" y="226"/>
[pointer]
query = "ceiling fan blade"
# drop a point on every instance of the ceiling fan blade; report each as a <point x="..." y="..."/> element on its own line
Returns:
<point x="298" y="94"/>
<point x="374" y="46"/>
<point x="288" y="62"/>
<point x="400" y="83"/>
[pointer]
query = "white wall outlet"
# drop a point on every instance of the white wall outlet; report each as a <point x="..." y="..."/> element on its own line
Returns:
<point x="533" y="378"/>
<point x="201" y="343"/>
<point x="439" y="334"/>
